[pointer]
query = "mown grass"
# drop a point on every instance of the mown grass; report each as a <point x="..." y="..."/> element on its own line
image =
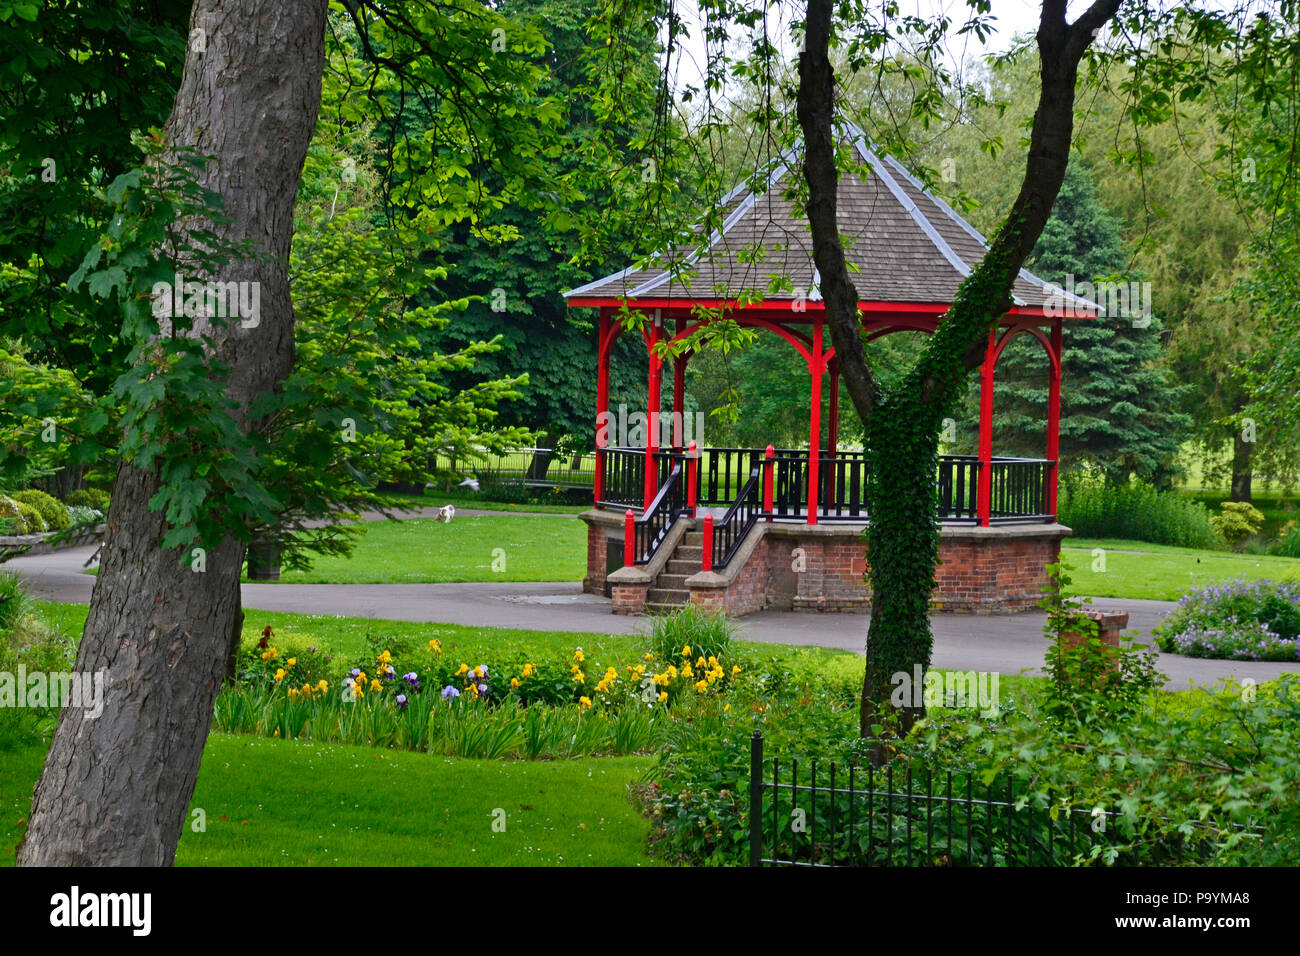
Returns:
<point x="283" y="803"/>
<point x="478" y="548"/>
<point x="1135" y="569"/>
<point x="464" y="498"/>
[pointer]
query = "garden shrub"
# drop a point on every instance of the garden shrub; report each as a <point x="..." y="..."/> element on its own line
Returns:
<point x="53" y="511"/>
<point x="1287" y="544"/>
<point x="32" y="521"/>
<point x="13" y="603"/>
<point x="11" y="517"/>
<point x="1089" y="680"/>
<point x="1237" y="521"/>
<point x="89" y="498"/>
<point x="80" y="515"/>
<point x="1140" y="513"/>
<point x="1235" y="620"/>
<point x="706" y="631"/>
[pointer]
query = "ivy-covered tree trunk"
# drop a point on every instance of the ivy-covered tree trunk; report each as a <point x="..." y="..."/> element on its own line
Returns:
<point x="903" y="421"/>
<point x="115" y="790"/>
<point x="1242" y="467"/>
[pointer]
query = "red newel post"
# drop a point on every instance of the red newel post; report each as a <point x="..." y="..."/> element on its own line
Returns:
<point x="768" y="467"/>
<point x="692" y="477"/>
<point x="706" y="560"/>
<point x="629" y="538"/>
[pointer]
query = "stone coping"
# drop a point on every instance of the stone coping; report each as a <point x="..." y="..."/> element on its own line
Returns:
<point x="37" y="544"/>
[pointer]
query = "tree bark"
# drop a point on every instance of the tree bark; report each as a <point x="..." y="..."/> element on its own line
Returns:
<point x="1242" y="467"/>
<point x="115" y="790"/>
<point x="903" y="424"/>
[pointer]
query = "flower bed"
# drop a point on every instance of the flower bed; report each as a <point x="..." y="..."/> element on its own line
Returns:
<point x="512" y="707"/>
<point x="1236" y="620"/>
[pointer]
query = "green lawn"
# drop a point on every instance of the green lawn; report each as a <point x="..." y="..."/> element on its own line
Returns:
<point x="284" y="803"/>
<point x="1135" y="569"/>
<point x="464" y="498"/>
<point x="486" y="548"/>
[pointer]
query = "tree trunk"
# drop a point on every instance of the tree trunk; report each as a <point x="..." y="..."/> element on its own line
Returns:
<point x="541" y="460"/>
<point x="236" y="635"/>
<point x="1241" y="467"/>
<point x="903" y="423"/>
<point x="115" y="790"/>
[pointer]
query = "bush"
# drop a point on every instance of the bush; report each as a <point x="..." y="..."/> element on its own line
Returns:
<point x="1140" y="513"/>
<point x="53" y="511"/>
<point x="1237" y="521"/>
<point x="707" y="633"/>
<point x="1287" y="544"/>
<point x="89" y="498"/>
<point x="13" y="603"/>
<point x="11" y="517"/>
<point x="32" y="522"/>
<point x="82" y="515"/>
<point x="1238" y="620"/>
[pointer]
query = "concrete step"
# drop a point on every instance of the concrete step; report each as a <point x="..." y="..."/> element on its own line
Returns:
<point x="655" y="607"/>
<point x="684" y="568"/>
<point x="689" y="552"/>
<point x="673" y="580"/>
<point x="674" y="596"/>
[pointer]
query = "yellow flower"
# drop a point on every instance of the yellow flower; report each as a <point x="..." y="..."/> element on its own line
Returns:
<point x="323" y="686"/>
<point x="384" y="658"/>
<point x="701" y="663"/>
<point x="701" y="686"/>
<point x="464" y="669"/>
<point x="686" y="651"/>
<point x="290" y="662"/>
<point x="648" y="657"/>
<point x="577" y="656"/>
<point x="514" y="683"/>
<point x="529" y="670"/>
<point x="585" y="702"/>
<point x="293" y="693"/>
<point x="435" y="645"/>
<point x="727" y="708"/>
<point x="361" y="678"/>
<point x="735" y="670"/>
<point x="687" y="672"/>
<point x="579" y="676"/>
<point x="279" y="674"/>
<point x="376" y="686"/>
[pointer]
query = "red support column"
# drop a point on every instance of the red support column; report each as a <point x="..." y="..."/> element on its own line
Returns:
<point x="653" y="401"/>
<point x="833" y="440"/>
<point x="983" y="505"/>
<point x="706" y="552"/>
<point x="629" y="538"/>
<point x="692" y="477"/>
<point x="602" y="405"/>
<point x="1054" y="418"/>
<point x="816" y="365"/>
<point x="679" y="399"/>
<point x="769" y="460"/>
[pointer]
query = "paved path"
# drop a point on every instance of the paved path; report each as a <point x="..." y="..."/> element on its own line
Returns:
<point x="1006" y="644"/>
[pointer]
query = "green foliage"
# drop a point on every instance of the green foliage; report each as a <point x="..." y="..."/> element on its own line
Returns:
<point x="54" y="513"/>
<point x="89" y="498"/>
<point x="1137" y="512"/>
<point x="14" y="605"/>
<point x="12" y="520"/>
<point x="1235" y="620"/>
<point x="1237" y="521"/>
<point x="708" y="632"/>
<point x="1089" y="680"/>
<point x="32" y="521"/>
<point x="1288" y="542"/>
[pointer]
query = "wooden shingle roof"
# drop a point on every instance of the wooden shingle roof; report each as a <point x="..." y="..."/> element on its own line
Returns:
<point x="903" y="245"/>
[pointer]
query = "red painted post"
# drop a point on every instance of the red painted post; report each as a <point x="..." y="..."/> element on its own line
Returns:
<point x="629" y="538"/>
<point x="602" y="406"/>
<point x="816" y="365"/>
<point x="833" y="439"/>
<point x="706" y="560"/>
<point x="652" y="412"/>
<point x="983" y="501"/>
<point x="679" y="401"/>
<point x="768" y="467"/>
<point x="692" y="477"/>
<point x="1054" y="418"/>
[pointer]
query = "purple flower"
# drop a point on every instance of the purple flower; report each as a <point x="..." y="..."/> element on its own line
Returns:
<point x="482" y="688"/>
<point x="356" y="672"/>
<point x="401" y="700"/>
<point x="449" y="693"/>
<point x="482" y="669"/>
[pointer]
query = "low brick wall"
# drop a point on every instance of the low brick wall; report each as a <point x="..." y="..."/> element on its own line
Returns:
<point x="996" y="570"/>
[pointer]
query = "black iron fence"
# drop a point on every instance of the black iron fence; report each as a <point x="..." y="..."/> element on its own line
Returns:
<point x="729" y="531"/>
<point x="668" y="505"/>
<point x="819" y="814"/>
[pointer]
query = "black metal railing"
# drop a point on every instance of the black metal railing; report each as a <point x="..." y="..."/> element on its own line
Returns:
<point x="863" y="816"/>
<point x="1018" y="489"/>
<point x="622" y="477"/>
<point x="729" y="532"/>
<point x="1018" y="486"/>
<point x="668" y="505"/>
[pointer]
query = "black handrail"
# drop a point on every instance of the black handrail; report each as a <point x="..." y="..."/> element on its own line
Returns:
<point x="668" y="505"/>
<point x="740" y="518"/>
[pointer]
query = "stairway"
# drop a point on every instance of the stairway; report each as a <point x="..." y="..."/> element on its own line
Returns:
<point x="669" y="590"/>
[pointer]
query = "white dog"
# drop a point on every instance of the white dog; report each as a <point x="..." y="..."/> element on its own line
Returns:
<point x="445" y="513"/>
